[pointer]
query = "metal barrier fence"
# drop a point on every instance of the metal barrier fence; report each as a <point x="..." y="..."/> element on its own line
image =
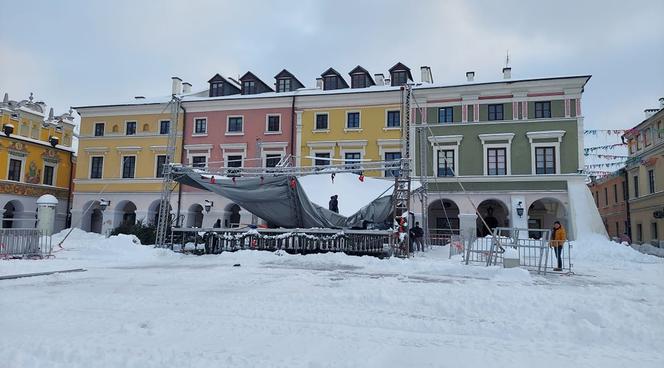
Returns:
<point x="530" y="246"/>
<point x="357" y="242"/>
<point x="24" y="243"/>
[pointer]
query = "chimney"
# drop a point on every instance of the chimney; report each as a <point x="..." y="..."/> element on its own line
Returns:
<point x="176" y="89"/>
<point x="507" y="72"/>
<point x="319" y="83"/>
<point x="186" y="87"/>
<point x="387" y="82"/>
<point x="6" y="98"/>
<point x="139" y="97"/>
<point x="427" y="77"/>
<point x="380" y="79"/>
<point x="650" y="112"/>
<point x="661" y="102"/>
<point x="470" y="76"/>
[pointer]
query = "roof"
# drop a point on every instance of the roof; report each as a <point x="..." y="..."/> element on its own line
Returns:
<point x="286" y="74"/>
<point x="399" y="66"/>
<point x="360" y="70"/>
<point x="252" y="76"/>
<point x="331" y="71"/>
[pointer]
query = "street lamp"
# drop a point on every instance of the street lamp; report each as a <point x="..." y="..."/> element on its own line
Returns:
<point x="519" y="209"/>
<point x="103" y="204"/>
<point x="208" y="205"/>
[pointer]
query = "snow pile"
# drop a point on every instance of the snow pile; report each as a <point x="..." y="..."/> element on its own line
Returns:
<point x="595" y="248"/>
<point x="584" y="211"/>
<point x="82" y="245"/>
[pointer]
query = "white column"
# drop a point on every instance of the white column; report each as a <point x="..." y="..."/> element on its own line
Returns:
<point x="468" y="225"/>
<point x="107" y="224"/>
<point x="298" y="139"/>
<point x="516" y="220"/>
<point x="46" y="205"/>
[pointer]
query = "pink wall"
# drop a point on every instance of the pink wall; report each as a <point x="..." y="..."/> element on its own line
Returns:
<point x="254" y="127"/>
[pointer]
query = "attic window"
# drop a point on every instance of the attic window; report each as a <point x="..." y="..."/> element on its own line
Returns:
<point x="284" y="85"/>
<point x="248" y="88"/>
<point x="399" y="77"/>
<point x="216" y="89"/>
<point x="359" y="80"/>
<point x="331" y="82"/>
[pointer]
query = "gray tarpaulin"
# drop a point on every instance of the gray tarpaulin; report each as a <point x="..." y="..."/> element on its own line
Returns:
<point x="275" y="200"/>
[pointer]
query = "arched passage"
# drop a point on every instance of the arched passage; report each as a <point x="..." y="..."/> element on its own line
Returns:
<point x="195" y="215"/>
<point x="232" y="215"/>
<point x="125" y="213"/>
<point x="92" y="217"/>
<point x="443" y="217"/>
<point x="495" y="214"/>
<point x="153" y="212"/>
<point x="10" y="218"/>
<point x="543" y="212"/>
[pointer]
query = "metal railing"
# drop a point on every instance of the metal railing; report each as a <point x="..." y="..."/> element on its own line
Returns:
<point x="24" y="243"/>
<point x="215" y="240"/>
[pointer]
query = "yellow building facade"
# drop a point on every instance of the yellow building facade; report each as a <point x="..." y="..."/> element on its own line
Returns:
<point x="36" y="158"/>
<point x="343" y="127"/>
<point x="122" y="149"/>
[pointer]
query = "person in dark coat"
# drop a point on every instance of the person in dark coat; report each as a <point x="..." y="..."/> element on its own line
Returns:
<point x="417" y="234"/>
<point x="334" y="204"/>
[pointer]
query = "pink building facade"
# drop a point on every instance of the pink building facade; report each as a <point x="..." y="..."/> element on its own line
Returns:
<point x="233" y="131"/>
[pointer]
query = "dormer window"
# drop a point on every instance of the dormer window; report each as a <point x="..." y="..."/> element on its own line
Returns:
<point x="400" y="75"/>
<point x="248" y="88"/>
<point x="216" y="89"/>
<point x="284" y="85"/>
<point x="359" y="81"/>
<point x="331" y="82"/>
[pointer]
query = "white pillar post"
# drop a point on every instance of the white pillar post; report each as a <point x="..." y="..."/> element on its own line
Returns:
<point x="46" y="205"/>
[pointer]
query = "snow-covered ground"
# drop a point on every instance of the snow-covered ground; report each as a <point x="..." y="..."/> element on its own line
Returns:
<point x="140" y="307"/>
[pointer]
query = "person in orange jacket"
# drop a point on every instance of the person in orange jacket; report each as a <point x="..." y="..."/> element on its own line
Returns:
<point x="558" y="239"/>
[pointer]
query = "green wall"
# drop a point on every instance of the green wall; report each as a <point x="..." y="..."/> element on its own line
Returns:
<point x="471" y="160"/>
<point x="498" y="186"/>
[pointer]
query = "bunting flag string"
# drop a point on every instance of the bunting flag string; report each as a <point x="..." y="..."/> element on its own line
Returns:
<point x="608" y="164"/>
<point x="606" y="131"/>
<point x="605" y="147"/>
<point x="608" y="157"/>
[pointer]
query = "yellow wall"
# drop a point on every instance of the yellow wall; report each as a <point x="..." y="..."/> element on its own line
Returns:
<point x="110" y="147"/>
<point x="34" y="154"/>
<point x="30" y="126"/>
<point x="373" y="121"/>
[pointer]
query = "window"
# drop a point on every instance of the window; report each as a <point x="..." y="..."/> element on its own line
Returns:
<point x="639" y="139"/>
<point x="234" y="161"/>
<point x="359" y="81"/>
<point x="399" y="78"/>
<point x="445" y="115"/>
<point x="545" y="160"/>
<point x="624" y="190"/>
<point x="331" y="82"/>
<point x="660" y="130"/>
<point x="636" y="187"/>
<point x="99" y="129"/>
<point x="606" y="196"/>
<point x="96" y="167"/>
<point x="352" y="159"/>
<point x="235" y="124"/>
<point x="646" y="137"/>
<point x="164" y="126"/>
<point x="284" y="85"/>
<point x="322" y="159"/>
<point x="392" y="156"/>
<point x="617" y="228"/>
<point x="248" y="87"/>
<point x="200" y="126"/>
<point x="14" y="169"/>
<point x="496" y="112"/>
<point x="130" y="128"/>
<point x="321" y="122"/>
<point x="353" y="120"/>
<point x="394" y="119"/>
<point x="615" y="193"/>
<point x="274" y="123"/>
<point x="161" y="161"/>
<point x="651" y="181"/>
<point x="272" y="160"/>
<point x="596" y="196"/>
<point x="543" y="109"/>
<point x="34" y="132"/>
<point x="48" y="174"/>
<point x="496" y="161"/>
<point x="216" y="89"/>
<point x="128" y="167"/>
<point x="198" y="161"/>
<point x="639" y="233"/>
<point x="446" y="163"/>
<point x="653" y="231"/>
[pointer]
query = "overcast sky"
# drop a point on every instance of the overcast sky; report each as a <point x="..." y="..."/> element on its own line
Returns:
<point x="83" y="52"/>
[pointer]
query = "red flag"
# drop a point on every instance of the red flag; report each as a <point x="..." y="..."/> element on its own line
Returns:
<point x="212" y="180"/>
<point x="361" y="178"/>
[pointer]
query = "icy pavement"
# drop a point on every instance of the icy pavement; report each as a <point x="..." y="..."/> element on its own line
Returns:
<point x="140" y="307"/>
